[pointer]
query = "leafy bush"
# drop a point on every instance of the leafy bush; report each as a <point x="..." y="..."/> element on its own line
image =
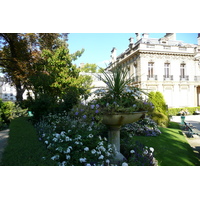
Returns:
<point x="9" y="111"/>
<point x="161" y="119"/>
<point x="158" y="100"/>
<point x="175" y="111"/>
<point x="160" y="113"/>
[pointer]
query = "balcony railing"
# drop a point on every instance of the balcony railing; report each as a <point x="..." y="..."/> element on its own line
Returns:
<point x="184" y="78"/>
<point x="152" y="77"/>
<point x="168" y="77"/>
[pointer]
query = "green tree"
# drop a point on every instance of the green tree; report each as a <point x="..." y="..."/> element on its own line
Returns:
<point x="89" y="68"/>
<point x="19" y="52"/>
<point x="55" y="73"/>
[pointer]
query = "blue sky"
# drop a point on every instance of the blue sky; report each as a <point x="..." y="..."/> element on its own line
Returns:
<point x="98" y="46"/>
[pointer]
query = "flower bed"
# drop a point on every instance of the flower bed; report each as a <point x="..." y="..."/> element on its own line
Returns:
<point x="143" y="127"/>
<point x="79" y="139"/>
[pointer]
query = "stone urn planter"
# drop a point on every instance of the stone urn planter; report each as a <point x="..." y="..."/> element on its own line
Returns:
<point x="114" y="123"/>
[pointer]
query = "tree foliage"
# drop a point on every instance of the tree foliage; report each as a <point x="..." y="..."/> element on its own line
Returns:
<point x="21" y="53"/>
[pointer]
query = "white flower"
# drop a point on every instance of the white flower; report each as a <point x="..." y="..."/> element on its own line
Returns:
<point x="90" y="136"/>
<point x="93" y="151"/>
<point x="132" y="151"/>
<point x="55" y="139"/>
<point x="101" y="157"/>
<point x="151" y="149"/>
<point x="76" y="142"/>
<point x="59" y="149"/>
<point x="68" y="157"/>
<point x="88" y="164"/>
<point x="62" y="133"/>
<point x="124" y="164"/>
<point x="102" y="148"/>
<point x="68" y="150"/>
<point x="89" y="128"/>
<point x="86" y="149"/>
<point x="100" y="143"/>
<point x="66" y="138"/>
<point x="108" y="154"/>
<point x="56" y="157"/>
<point x="69" y="131"/>
<point x="82" y="160"/>
<point x="145" y="152"/>
<point x="63" y="163"/>
<point x="107" y="161"/>
<point x="46" y="142"/>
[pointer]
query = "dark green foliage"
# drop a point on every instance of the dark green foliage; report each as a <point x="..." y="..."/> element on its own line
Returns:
<point x="24" y="148"/>
<point x="42" y="105"/>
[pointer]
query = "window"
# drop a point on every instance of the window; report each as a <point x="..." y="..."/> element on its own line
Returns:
<point x="182" y="70"/>
<point x="167" y="70"/>
<point x="150" y="69"/>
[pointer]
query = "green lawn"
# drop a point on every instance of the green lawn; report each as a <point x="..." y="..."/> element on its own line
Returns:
<point x="171" y="147"/>
<point x="24" y="148"/>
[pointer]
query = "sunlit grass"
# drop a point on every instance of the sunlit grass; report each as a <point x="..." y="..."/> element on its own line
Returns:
<point x="171" y="147"/>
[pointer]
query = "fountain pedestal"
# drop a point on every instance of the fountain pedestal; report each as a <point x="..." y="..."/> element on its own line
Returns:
<point x="114" y="123"/>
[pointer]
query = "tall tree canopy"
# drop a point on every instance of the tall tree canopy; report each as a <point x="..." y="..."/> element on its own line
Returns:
<point x="27" y="59"/>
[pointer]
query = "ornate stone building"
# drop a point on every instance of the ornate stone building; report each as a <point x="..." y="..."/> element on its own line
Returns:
<point x="166" y="65"/>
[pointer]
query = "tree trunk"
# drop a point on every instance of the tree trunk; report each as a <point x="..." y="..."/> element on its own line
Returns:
<point x="20" y="92"/>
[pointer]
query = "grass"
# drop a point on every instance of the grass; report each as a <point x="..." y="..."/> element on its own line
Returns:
<point x="171" y="147"/>
<point x="24" y="148"/>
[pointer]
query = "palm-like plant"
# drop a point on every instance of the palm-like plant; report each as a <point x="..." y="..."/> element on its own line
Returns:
<point x="117" y="81"/>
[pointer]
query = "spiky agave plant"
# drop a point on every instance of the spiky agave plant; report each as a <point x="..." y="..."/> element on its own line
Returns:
<point x="117" y="80"/>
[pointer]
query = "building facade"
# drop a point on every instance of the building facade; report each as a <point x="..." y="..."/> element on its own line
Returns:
<point x="164" y="64"/>
<point x="8" y="92"/>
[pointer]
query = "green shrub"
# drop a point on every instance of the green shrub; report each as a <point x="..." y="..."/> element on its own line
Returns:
<point x="9" y="111"/>
<point x="160" y="118"/>
<point x="158" y="100"/>
<point x="160" y="113"/>
<point x="175" y="111"/>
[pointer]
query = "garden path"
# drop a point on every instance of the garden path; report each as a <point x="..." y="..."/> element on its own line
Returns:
<point x="3" y="141"/>
<point x="194" y="142"/>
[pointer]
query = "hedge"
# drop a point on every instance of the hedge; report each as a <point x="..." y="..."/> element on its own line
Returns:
<point x="175" y="111"/>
